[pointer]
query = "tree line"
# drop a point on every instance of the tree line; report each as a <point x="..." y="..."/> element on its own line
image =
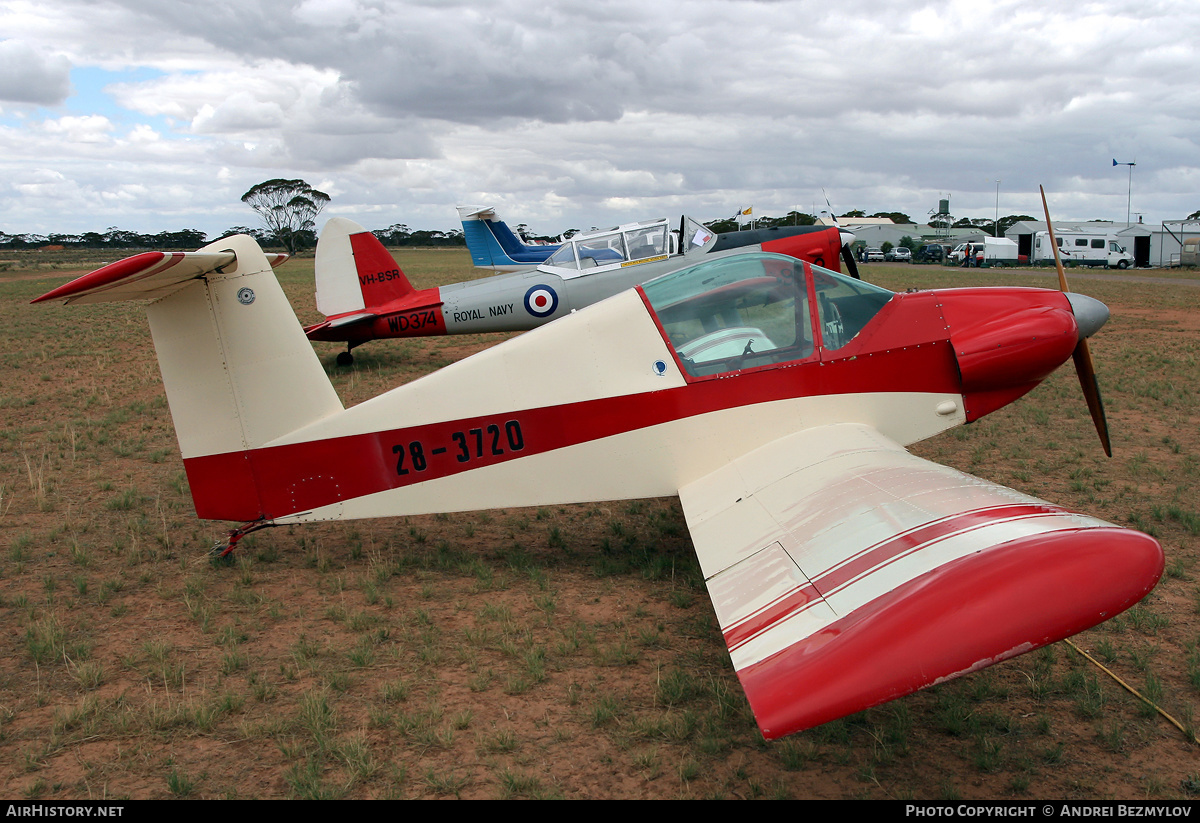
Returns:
<point x="397" y="234"/>
<point x="289" y="209"/>
<point x="186" y="239"/>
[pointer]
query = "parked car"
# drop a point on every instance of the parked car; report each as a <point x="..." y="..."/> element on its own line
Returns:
<point x="874" y="255"/>
<point x="931" y="253"/>
<point x="960" y="252"/>
<point x="899" y="255"/>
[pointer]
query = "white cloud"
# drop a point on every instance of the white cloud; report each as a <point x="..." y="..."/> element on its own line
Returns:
<point x="595" y="112"/>
<point x="92" y="128"/>
<point x="31" y="75"/>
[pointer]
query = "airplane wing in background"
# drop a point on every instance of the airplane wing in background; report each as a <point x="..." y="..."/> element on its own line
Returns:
<point x="846" y="572"/>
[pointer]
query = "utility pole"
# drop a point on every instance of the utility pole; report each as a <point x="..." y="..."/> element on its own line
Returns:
<point x="996" y="222"/>
<point x="1129" y="195"/>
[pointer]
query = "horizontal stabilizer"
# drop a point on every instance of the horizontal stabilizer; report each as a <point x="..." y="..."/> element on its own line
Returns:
<point x="350" y="319"/>
<point x="147" y="276"/>
<point x="338" y="323"/>
<point x="476" y="212"/>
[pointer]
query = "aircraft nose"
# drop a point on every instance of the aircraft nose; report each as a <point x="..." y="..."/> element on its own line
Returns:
<point x="1090" y="314"/>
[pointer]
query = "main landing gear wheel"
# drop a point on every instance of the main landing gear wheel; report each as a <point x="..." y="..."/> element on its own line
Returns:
<point x="345" y="359"/>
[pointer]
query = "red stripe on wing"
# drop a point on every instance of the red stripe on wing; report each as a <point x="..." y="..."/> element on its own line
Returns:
<point x="873" y="559"/>
<point x="958" y="618"/>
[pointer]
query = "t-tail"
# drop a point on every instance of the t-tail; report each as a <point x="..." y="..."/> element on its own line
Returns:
<point x="493" y="245"/>
<point x="238" y="371"/>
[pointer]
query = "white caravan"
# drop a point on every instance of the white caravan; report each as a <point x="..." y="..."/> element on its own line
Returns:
<point x="1082" y="249"/>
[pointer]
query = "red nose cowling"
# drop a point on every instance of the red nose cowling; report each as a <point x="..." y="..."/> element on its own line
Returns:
<point x="1006" y="341"/>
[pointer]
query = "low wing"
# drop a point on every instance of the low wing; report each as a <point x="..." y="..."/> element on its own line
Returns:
<point x="846" y="572"/>
<point x="147" y="276"/>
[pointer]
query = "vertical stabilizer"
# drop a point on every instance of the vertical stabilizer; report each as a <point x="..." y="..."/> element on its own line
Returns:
<point x="493" y="245"/>
<point x="238" y="373"/>
<point x="237" y="368"/>
<point x="354" y="271"/>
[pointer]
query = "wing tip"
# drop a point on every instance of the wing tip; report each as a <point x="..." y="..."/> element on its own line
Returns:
<point x="958" y="618"/>
<point x="104" y="276"/>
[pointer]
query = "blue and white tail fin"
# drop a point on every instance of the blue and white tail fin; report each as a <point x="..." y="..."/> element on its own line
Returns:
<point x="493" y="245"/>
<point x="238" y="371"/>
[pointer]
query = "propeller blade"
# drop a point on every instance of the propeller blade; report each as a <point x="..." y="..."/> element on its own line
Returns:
<point x="1062" y="276"/>
<point x="847" y="252"/>
<point x="1091" y="391"/>
<point x="1082" y="355"/>
<point x="851" y="264"/>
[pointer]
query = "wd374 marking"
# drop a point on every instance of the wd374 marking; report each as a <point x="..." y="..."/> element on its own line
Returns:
<point x="414" y="321"/>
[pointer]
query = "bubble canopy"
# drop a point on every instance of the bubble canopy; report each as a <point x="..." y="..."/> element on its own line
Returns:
<point x="759" y="309"/>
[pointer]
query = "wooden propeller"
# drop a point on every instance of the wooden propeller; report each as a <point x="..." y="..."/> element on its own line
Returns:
<point x="1082" y="356"/>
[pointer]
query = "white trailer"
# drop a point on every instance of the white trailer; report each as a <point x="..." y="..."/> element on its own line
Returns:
<point x="1082" y="249"/>
<point x="987" y="251"/>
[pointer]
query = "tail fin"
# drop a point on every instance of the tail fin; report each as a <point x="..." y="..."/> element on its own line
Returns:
<point x="354" y="271"/>
<point x="493" y="245"/>
<point x="236" y="366"/>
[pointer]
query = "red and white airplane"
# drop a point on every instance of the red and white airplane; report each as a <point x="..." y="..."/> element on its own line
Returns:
<point x="773" y="396"/>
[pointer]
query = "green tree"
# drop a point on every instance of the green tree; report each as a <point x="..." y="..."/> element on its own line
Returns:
<point x="894" y="216"/>
<point x="289" y="208"/>
<point x="1008" y="221"/>
<point x="723" y="226"/>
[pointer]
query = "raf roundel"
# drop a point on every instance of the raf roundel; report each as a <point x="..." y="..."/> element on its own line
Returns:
<point x="541" y="301"/>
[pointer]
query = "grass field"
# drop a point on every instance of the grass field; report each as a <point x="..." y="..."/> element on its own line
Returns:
<point x="555" y="652"/>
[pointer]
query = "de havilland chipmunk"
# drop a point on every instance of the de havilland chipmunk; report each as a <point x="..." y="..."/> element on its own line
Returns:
<point x="365" y="296"/>
<point x="774" y="396"/>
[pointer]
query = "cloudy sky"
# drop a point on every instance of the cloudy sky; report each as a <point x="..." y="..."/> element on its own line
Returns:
<point x="155" y="115"/>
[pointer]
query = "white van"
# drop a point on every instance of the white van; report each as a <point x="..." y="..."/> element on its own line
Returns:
<point x="1082" y="249"/>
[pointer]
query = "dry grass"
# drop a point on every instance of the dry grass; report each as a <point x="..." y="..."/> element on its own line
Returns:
<point x="563" y="651"/>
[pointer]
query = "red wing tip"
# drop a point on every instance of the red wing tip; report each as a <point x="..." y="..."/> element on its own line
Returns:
<point x="104" y="275"/>
<point x="959" y="618"/>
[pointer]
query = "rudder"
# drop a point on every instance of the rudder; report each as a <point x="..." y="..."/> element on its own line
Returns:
<point x="354" y="271"/>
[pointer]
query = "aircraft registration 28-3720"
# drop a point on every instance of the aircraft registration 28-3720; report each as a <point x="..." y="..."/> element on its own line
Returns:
<point x="774" y="396"/>
<point x="365" y="296"/>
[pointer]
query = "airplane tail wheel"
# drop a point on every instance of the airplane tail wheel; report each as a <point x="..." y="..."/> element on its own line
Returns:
<point x="1082" y="355"/>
